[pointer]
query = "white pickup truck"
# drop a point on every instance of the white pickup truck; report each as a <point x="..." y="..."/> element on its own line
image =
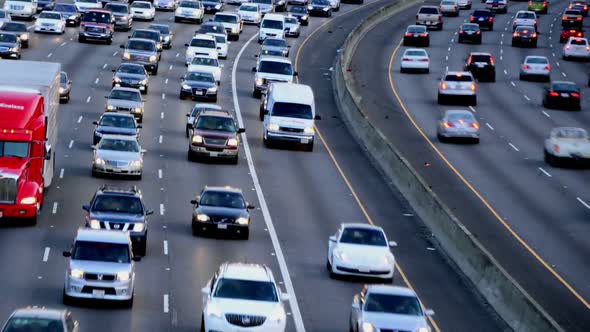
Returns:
<point x="429" y="16"/>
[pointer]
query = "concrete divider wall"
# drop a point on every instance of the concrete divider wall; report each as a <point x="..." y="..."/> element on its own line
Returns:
<point x="520" y="311"/>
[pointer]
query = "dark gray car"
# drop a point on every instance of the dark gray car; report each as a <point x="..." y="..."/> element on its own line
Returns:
<point x="126" y="100"/>
<point x="131" y="75"/>
<point x="122" y="14"/>
<point x="165" y="33"/>
<point x="200" y="85"/>
<point x="150" y="34"/>
<point x="9" y="45"/>
<point x="212" y="6"/>
<point x="69" y="12"/>
<point x="115" y="124"/>
<point x="143" y="52"/>
<point x="45" y="5"/>
<point x="275" y="46"/>
<point x="18" y="28"/>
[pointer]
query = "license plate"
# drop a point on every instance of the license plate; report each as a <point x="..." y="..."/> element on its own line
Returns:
<point x="198" y="93"/>
<point x="98" y="293"/>
<point x="416" y="35"/>
<point x="364" y="269"/>
<point x="480" y="19"/>
<point x="116" y="170"/>
<point x="213" y="154"/>
<point x="221" y="226"/>
<point x="208" y="8"/>
<point x="565" y="95"/>
<point x="304" y="140"/>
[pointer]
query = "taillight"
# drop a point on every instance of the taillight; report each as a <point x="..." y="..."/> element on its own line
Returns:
<point x="491" y="19"/>
<point x="585" y="7"/>
<point x="514" y="22"/>
<point x="535" y="21"/>
<point x="471" y="18"/>
<point x="408" y="34"/>
<point x="424" y="59"/>
<point x="423" y="35"/>
<point x="548" y="67"/>
<point x="443" y="85"/>
<point x="545" y="4"/>
<point x="553" y="94"/>
<point x="530" y="3"/>
<point x="475" y="125"/>
<point x="570" y="6"/>
<point x="534" y="35"/>
<point x="564" y="18"/>
<point x="416" y="16"/>
<point x="579" y="18"/>
<point x="526" y="67"/>
<point x="448" y="124"/>
<point x="587" y="48"/>
<point x="406" y="59"/>
<point x="575" y="95"/>
<point x="492" y="61"/>
<point x="477" y="32"/>
<point x="469" y="59"/>
<point x="556" y="148"/>
<point x="579" y="34"/>
<point x="567" y="47"/>
<point x="472" y="86"/>
<point x="516" y="34"/>
<point x="461" y="32"/>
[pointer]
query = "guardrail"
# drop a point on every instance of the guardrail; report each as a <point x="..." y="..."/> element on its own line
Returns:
<point x="520" y="311"/>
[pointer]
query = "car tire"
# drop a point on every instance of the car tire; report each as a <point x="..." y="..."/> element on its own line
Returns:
<point x="142" y="250"/>
<point x="267" y="143"/>
<point x="176" y="20"/>
<point x="190" y="156"/>
<point x="246" y="234"/>
<point x="235" y="160"/>
<point x="200" y="21"/>
<point x="493" y="78"/>
<point x="522" y="77"/>
<point x="309" y="147"/>
<point x="402" y="70"/>
<point x="513" y="43"/>
<point x="256" y="93"/>
<point x="25" y="44"/>
<point x="388" y="280"/>
<point x="110" y="41"/>
<point x="95" y="174"/>
<point x="440" y="99"/>
<point x="473" y="101"/>
<point x="195" y="230"/>
<point x="441" y="138"/>
<point x="155" y="71"/>
<point x="202" y="323"/>
<point x="81" y="39"/>
<point x="66" y="299"/>
<point x="187" y="132"/>
<point x="145" y="91"/>
<point x="138" y="177"/>
<point x="129" y="303"/>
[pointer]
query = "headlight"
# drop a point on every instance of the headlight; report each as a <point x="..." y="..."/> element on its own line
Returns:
<point x="304" y="17"/>
<point x="217" y="6"/>
<point x="110" y="107"/>
<point x="212" y="89"/>
<point x="153" y="58"/>
<point x="138" y="110"/>
<point x="135" y="163"/>
<point x="125" y="17"/>
<point x="214" y="311"/>
<point x="61" y="90"/>
<point x="94" y="224"/>
<point x="99" y="161"/>
<point x="242" y="221"/>
<point x="326" y="9"/>
<point x="309" y="130"/>
<point x="29" y="200"/>
<point x="232" y="142"/>
<point x="117" y="79"/>
<point x="76" y="274"/>
<point x="277" y="316"/>
<point x="167" y="38"/>
<point x="202" y="217"/>
<point x="24" y="36"/>
<point x="368" y="327"/>
<point x="387" y="260"/>
<point x="310" y="8"/>
<point x="340" y="255"/>
<point x="126" y="55"/>
<point x="72" y="17"/>
<point x="197" y="139"/>
<point x="285" y="50"/>
<point x="143" y="82"/>
<point x="272" y="127"/>
<point x="259" y="80"/>
<point x="123" y="276"/>
<point x="186" y="87"/>
<point x="423" y="329"/>
<point x="263" y="52"/>
<point x="14" y="49"/>
<point x="138" y="227"/>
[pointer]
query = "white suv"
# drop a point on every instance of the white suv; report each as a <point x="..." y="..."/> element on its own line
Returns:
<point x="201" y="44"/>
<point x="101" y="267"/>
<point x="243" y="296"/>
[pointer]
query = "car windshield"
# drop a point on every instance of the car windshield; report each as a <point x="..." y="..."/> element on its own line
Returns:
<point x="415" y="53"/>
<point x="101" y="252"/>
<point x="132" y="69"/>
<point x="428" y="10"/>
<point x="141" y="5"/>
<point x="14" y="27"/>
<point x="14" y="149"/>
<point x="88" y="1"/>
<point x="121" y="145"/>
<point x="51" y="16"/>
<point x="274" y="42"/>
<point x="116" y="8"/>
<point x="125" y="95"/>
<point x="272" y="24"/>
<point x="215" y="123"/>
<point x="2" y="14"/>
<point x="364" y="236"/>
<point x="164" y="29"/>
<point x="246" y="290"/>
<point x="153" y="35"/>
<point x="7" y="38"/>
<point x="97" y="17"/>
<point x="537" y="60"/>
<point x="117" y="204"/>
<point x="26" y="324"/>
<point x="249" y="8"/>
<point x="291" y="20"/>
<point x="63" y="77"/>
<point x="566" y="87"/>
<point x="459" y="116"/>
<point x="525" y="15"/>
<point x="190" y="4"/>
<point x="206" y="43"/>
<point x="212" y="1"/>
<point x="200" y="77"/>
<point x="225" y="199"/>
<point x="276" y="67"/>
<point x="65" y="8"/>
<point x="226" y="18"/>
<point x="291" y="110"/>
<point x="298" y="9"/>
<point x="416" y="29"/>
<point x="458" y="78"/>
<point x="201" y="61"/>
<point x="220" y="39"/>
<point x="393" y="304"/>
<point x="141" y="45"/>
<point x="118" y="121"/>
<point x="576" y="133"/>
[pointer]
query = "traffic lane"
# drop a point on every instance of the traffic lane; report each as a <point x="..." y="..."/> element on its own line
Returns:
<point x="445" y="188"/>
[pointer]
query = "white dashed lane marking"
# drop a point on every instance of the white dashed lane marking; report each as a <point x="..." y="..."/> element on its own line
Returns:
<point x="166" y="304"/>
<point x="96" y="81"/>
<point x="46" y="254"/>
<point x="61" y="173"/>
<point x="544" y="172"/>
<point x="512" y="83"/>
<point x="165" y="247"/>
<point x="54" y="209"/>
<point x="527" y="97"/>
<point x="80" y="119"/>
<point x="71" y="144"/>
<point x="88" y="99"/>
<point x="583" y="203"/>
<point x="546" y="114"/>
<point x="49" y="55"/>
<point x="162" y="209"/>
<point x="160" y="139"/>
<point x="489" y="126"/>
<point x="159" y="174"/>
<point x="514" y="147"/>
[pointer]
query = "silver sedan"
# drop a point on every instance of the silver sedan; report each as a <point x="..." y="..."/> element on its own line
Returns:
<point x="118" y="155"/>
<point x="458" y="124"/>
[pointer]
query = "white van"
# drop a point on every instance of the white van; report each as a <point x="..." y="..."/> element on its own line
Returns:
<point x="288" y="112"/>
<point x="21" y="8"/>
<point x="272" y="25"/>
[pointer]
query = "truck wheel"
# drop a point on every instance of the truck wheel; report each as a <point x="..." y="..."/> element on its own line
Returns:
<point x="67" y="300"/>
<point x="141" y="250"/>
<point x="246" y="234"/>
<point x="128" y="303"/>
<point x="309" y="147"/>
<point x="81" y="39"/>
<point x="31" y="221"/>
<point x="155" y="71"/>
<point x="176" y="20"/>
<point x="110" y="41"/>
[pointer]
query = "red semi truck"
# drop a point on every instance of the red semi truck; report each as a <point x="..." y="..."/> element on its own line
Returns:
<point x="29" y="101"/>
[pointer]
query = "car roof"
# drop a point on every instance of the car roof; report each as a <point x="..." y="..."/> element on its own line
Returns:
<point x="458" y="73"/>
<point x="99" y="10"/>
<point x="536" y="57"/>
<point x="273" y="17"/>
<point x="246" y="271"/>
<point x="205" y="56"/>
<point x="120" y="88"/>
<point x="123" y="115"/>
<point x="275" y="58"/>
<point x="360" y="225"/>
<point x="470" y="24"/>
<point x="50" y="12"/>
<point x="102" y="235"/>
<point x="129" y="191"/>
<point x="416" y="26"/>
<point x="207" y="106"/>
<point x="217" y="113"/>
<point x="528" y="27"/>
<point x="292" y="92"/>
<point x="562" y="82"/>
<point x="120" y="137"/>
<point x="42" y="312"/>
<point x="415" y="49"/>
<point x="274" y="38"/>
<point x="203" y="36"/>
<point x="390" y="289"/>
<point x="223" y="189"/>
<point x="427" y="6"/>
<point x="480" y="53"/>
<point x="137" y="1"/>
<point x="131" y="64"/>
<point x="159" y="25"/>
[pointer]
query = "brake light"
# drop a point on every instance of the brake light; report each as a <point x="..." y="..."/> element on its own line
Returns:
<point x="423" y="35"/>
<point x="564" y="18"/>
<point x="406" y="59"/>
<point x="443" y="85"/>
<point x="585" y="7"/>
<point x="516" y="34"/>
<point x="535" y="21"/>
<point x="469" y="59"/>
<point x="475" y="125"/>
<point x="526" y="67"/>
<point x="461" y="32"/>
<point x="553" y="94"/>
<point x="448" y="124"/>
<point x="556" y="148"/>
<point x="491" y="19"/>
<point x="514" y="22"/>
<point x="530" y="3"/>
<point x="548" y="67"/>
<point x="579" y="18"/>
<point x="575" y="95"/>
<point x="545" y="4"/>
<point x="408" y="34"/>
<point x="567" y="47"/>
<point x="477" y="32"/>
<point x="492" y="61"/>
<point x="424" y="59"/>
<point x="471" y="18"/>
<point x="587" y="48"/>
<point x="534" y="35"/>
<point x="570" y="6"/>
<point x="472" y="86"/>
<point x="579" y="34"/>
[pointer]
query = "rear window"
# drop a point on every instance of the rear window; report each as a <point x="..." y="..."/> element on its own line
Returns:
<point x="14" y="26"/>
<point x="572" y="12"/>
<point x="537" y="60"/>
<point x="415" y="53"/>
<point x="428" y="10"/>
<point x="481" y="58"/>
<point x="416" y="29"/>
<point x="116" y="8"/>
<point x="470" y="27"/>
<point x="226" y="18"/>
<point x="190" y="4"/>
<point x="458" y="78"/>
<point x="578" y="42"/>
<point x="481" y="13"/>
<point x="525" y="15"/>
<point x="566" y="87"/>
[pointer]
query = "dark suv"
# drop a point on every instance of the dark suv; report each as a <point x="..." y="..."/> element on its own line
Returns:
<point x="484" y="18"/>
<point x="215" y="135"/>
<point x="524" y="36"/>
<point x="221" y="209"/>
<point x="481" y="66"/>
<point x="97" y="24"/>
<point x="120" y="209"/>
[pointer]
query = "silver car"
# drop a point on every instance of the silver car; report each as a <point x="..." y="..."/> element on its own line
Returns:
<point x="126" y="100"/>
<point x="118" y="155"/>
<point x="535" y="66"/>
<point x="567" y="144"/>
<point x="275" y="46"/>
<point x="166" y="4"/>
<point x="458" y="124"/>
<point x="292" y="26"/>
<point x="101" y="266"/>
<point x="449" y="8"/>
<point x="457" y="84"/>
<point x="31" y="318"/>
<point x="143" y="52"/>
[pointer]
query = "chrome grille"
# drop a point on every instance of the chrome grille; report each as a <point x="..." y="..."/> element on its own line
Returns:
<point x="99" y="277"/>
<point x="118" y="226"/>
<point x="7" y="190"/>
<point x="291" y="130"/>
<point x="215" y="141"/>
<point x="139" y="57"/>
<point x="117" y="163"/>
<point x="95" y="29"/>
<point x="222" y="219"/>
<point x="245" y="320"/>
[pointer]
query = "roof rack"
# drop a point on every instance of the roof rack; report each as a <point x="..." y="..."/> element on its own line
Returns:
<point x="108" y="187"/>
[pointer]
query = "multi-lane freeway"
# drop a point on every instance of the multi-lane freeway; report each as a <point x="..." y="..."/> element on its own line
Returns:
<point x="531" y="216"/>
<point x="301" y="197"/>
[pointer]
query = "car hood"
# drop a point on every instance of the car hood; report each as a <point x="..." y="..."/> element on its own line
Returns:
<point x="140" y="52"/>
<point x="319" y="6"/>
<point x="291" y="25"/>
<point x="206" y="69"/>
<point x="117" y="155"/>
<point x="222" y="211"/>
<point x="96" y="24"/>
<point x="215" y="133"/>
<point x="116" y="130"/>
<point x="199" y="84"/>
<point x="245" y="307"/>
<point x="123" y="103"/>
<point x="12" y="166"/>
<point x="274" y="48"/>
<point x="120" y="14"/>
<point x="360" y="254"/>
<point x="128" y="76"/>
<point x="276" y="77"/>
<point x="6" y="44"/>
<point x="100" y="267"/>
<point x="116" y="217"/>
<point x="47" y="20"/>
<point x="229" y="25"/>
<point x="394" y="321"/>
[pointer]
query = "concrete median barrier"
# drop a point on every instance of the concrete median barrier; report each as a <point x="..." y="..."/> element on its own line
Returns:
<point x="520" y="311"/>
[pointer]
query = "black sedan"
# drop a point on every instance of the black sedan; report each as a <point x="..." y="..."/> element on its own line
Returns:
<point x="9" y="45"/>
<point x="563" y="95"/>
<point x="131" y="75"/>
<point x="198" y="85"/>
<point x="484" y="18"/>
<point x="20" y="29"/>
<point x="524" y="36"/>
<point x="416" y="35"/>
<point x="320" y="8"/>
<point x="69" y="12"/>
<point x="482" y="66"/>
<point x="111" y="123"/>
<point x="300" y="12"/>
<point x="65" y="87"/>
<point x="469" y="33"/>
<point x="221" y="209"/>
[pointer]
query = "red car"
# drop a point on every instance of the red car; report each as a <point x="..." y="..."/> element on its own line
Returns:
<point x="97" y="24"/>
<point x="567" y="33"/>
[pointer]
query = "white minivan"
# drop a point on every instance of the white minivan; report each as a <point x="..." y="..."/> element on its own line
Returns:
<point x="201" y="44"/>
<point x="21" y="8"/>
<point x="272" y="25"/>
<point x="288" y="112"/>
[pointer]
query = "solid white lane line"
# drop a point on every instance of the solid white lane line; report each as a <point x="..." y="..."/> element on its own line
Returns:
<point x="583" y="203"/>
<point x="49" y="55"/>
<point x="165" y="247"/>
<point x="166" y="304"/>
<point x="512" y="83"/>
<point x="159" y="173"/>
<point x="489" y="126"/>
<point x="71" y="144"/>
<point x="298" y="320"/>
<point x="46" y="254"/>
<point x="170" y="68"/>
<point x="96" y="81"/>
<point x="161" y="115"/>
<point x="63" y="44"/>
<point x="88" y="99"/>
<point x="54" y="209"/>
<point x="514" y="147"/>
<point x="31" y="27"/>
<point x="160" y="139"/>
<point x="163" y="96"/>
<point x="162" y="209"/>
<point x="80" y="119"/>
<point x="177" y="54"/>
<point x="501" y="57"/>
<point x="546" y="114"/>
<point x="527" y="97"/>
<point x="61" y="173"/>
<point x="544" y="172"/>
<point x="472" y="109"/>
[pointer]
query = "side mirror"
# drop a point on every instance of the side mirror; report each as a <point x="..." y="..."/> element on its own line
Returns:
<point x="205" y="291"/>
<point x="221" y="65"/>
<point x="241" y="130"/>
<point x="70" y="81"/>
<point x="194" y="202"/>
<point x="254" y="69"/>
<point x="190" y="126"/>
<point x="392" y="244"/>
<point x="256" y="55"/>
<point x="333" y="238"/>
<point x="188" y="114"/>
<point x="93" y="147"/>
<point x="143" y="150"/>
<point x="295" y="73"/>
<point x="285" y="297"/>
<point x="66" y="253"/>
<point x="47" y="151"/>
<point x="121" y="46"/>
<point x="86" y="207"/>
<point x="317" y="117"/>
<point x="288" y="46"/>
<point x="182" y="78"/>
<point x="95" y="123"/>
<point x="265" y="112"/>
<point x="149" y="212"/>
<point x="229" y="43"/>
<point x="250" y="207"/>
<point x="139" y="126"/>
<point x="356" y="306"/>
<point x="186" y="44"/>
<point x="129" y="37"/>
<point x="136" y="258"/>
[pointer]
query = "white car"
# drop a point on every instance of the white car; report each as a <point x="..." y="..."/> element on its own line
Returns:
<point x="567" y="144"/>
<point x="250" y="13"/>
<point x="361" y="250"/>
<point x="84" y="5"/>
<point x="535" y="66"/>
<point x="201" y="44"/>
<point x="465" y="4"/>
<point x="4" y="16"/>
<point x="292" y="26"/>
<point x="335" y="4"/>
<point x="449" y="8"/>
<point x="50" y="22"/>
<point x="189" y="11"/>
<point x="525" y="17"/>
<point x="222" y="44"/>
<point x="415" y="59"/>
<point x="388" y="308"/>
<point x="270" y="69"/>
<point x="243" y="297"/>
<point x="576" y="48"/>
<point x="232" y="23"/>
<point x="203" y="63"/>
<point x="143" y="10"/>
<point x="455" y="85"/>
